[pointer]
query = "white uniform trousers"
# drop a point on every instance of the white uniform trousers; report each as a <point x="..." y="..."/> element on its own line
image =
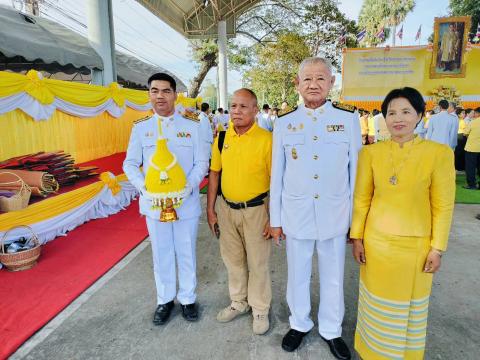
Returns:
<point x="169" y="241"/>
<point x="331" y="261"/>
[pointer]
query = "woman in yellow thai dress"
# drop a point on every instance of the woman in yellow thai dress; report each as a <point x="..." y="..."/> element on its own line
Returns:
<point x="403" y="207"/>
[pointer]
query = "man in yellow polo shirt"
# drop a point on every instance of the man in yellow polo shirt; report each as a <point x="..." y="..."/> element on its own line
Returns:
<point x="472" y="151"/>
<point x="243" y="220"/>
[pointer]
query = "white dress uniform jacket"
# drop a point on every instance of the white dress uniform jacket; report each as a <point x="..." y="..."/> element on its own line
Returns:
<point x="206" y="130"/>
<point x="314" y="164"/>
<point x="265" y="121"/>
<point x="443" y="128"/>
<point x="185" y="141"/>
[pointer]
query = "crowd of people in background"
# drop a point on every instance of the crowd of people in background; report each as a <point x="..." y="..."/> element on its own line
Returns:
<point x="447" y="123"/>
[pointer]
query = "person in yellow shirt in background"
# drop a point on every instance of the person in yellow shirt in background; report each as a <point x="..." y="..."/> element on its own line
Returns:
<point x="402" y="213"/>
<point x="364" y="125"/>
<point x="461" y="140"/>
<point x="371" y="126"/>
<point x="242" y="223"/>
<point x="472" y="150"/>
<point x="381" y="130"/>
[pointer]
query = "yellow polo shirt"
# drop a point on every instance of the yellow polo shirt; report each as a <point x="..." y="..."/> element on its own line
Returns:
<point x="473" y="132"/>
<point x="245" y="161"/>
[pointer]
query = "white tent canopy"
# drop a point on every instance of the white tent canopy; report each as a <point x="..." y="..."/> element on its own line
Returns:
<point x="31" y="42"/>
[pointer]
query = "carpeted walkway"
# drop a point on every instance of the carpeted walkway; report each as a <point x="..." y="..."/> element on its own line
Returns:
<point x="67" y="267"/>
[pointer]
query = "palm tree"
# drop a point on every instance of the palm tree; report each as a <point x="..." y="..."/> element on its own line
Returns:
<point x="395" y="13"/>
<point x="376" y="14"/>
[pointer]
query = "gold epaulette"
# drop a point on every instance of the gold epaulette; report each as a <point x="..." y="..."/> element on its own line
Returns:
<point x="142" y="119"/>
<point x="344" y="107"/>
<point x="287" y="112"/>
<point x="190" y="116"/>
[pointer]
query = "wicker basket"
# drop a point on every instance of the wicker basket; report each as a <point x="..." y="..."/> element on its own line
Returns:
<point x="18" y="201"/>
<point x="21" y="260"/>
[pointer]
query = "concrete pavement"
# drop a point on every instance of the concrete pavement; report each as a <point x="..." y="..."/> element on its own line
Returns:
<point x="114" y="319"/>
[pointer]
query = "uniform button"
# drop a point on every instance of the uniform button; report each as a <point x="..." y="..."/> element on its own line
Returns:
<point x="314" y="119"/>
<point x="315" y="157"/>
<point x="309" y="113"/>
<point x="315" y="137"/>
<point x="315" y="176"/>
<point x="316" y="196"/>
<point x="321" y="110"/>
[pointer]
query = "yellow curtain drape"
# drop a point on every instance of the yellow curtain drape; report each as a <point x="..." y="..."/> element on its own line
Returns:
<point x="49" y="208"/>
<point x="45" y="90"/>
<point x="85" y="138"/>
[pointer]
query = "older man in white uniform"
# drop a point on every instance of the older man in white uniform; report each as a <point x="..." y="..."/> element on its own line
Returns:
<point x="170" y="240"/>
<point x="314" y="161"/>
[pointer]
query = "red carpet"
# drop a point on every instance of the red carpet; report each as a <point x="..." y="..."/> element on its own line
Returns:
<point x="68" y="265"/>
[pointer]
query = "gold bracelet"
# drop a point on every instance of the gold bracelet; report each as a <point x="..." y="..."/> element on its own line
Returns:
<point x="439" y="252"/>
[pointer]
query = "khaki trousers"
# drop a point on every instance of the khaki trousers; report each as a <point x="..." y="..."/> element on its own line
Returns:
<point x="246" y="255"/>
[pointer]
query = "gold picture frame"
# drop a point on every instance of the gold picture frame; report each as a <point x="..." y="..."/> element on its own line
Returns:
<point x="449" y="42"/>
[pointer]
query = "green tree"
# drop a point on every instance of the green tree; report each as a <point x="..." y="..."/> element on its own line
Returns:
<point x="209" y="94"/>
<point x="376" y="14"/>
<point x="322" y="25"/>
<point x="260" y="25"/>
<point x="318" y="22"/>
<point x="205" y="53"/>
<point x="467" y="7"/>
<point x="277" y="65"/>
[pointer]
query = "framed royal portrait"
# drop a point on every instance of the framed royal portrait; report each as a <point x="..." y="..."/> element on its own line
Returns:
<point x="449" y="41"/>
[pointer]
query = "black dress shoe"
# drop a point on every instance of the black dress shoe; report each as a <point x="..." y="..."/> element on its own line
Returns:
<point x="292" y="340"/>
<point x="468" y="187"/>
<point x="162" y="313"/>
<point x="190" y="312"/>
<point x="338" y="348"/>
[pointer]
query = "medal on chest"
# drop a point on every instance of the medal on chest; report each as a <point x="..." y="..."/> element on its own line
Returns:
<point x="294" y="154"/>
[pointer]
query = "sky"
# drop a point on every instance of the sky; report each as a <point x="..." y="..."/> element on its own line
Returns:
<point x="140" y="33"/>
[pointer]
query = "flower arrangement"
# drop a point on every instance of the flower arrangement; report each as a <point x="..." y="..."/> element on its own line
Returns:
<point x="445" y="92"/>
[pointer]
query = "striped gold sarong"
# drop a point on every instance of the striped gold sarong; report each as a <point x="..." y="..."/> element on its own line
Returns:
<point x="393" y="298"/>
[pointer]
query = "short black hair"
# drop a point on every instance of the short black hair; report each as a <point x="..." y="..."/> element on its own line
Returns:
<point x="458" y="111"/>
<point x="225" y="112"/>
<point x="220" y="109"/>
<point x="477" y="110"/>
<point x="265" y="107"/>
<point x="204" y="107"/>
<point x="412" y="95"/>
<point x="163" y="77"/>
<point x="375" y="112"/>
<point x="443" y="104"/>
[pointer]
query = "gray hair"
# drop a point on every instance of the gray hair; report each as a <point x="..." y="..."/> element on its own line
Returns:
<point x="452" y="104"/>
<point x="315" y="60"/>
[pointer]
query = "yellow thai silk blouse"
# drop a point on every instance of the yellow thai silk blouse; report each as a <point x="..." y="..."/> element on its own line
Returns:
<point x="420" y="204"/>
